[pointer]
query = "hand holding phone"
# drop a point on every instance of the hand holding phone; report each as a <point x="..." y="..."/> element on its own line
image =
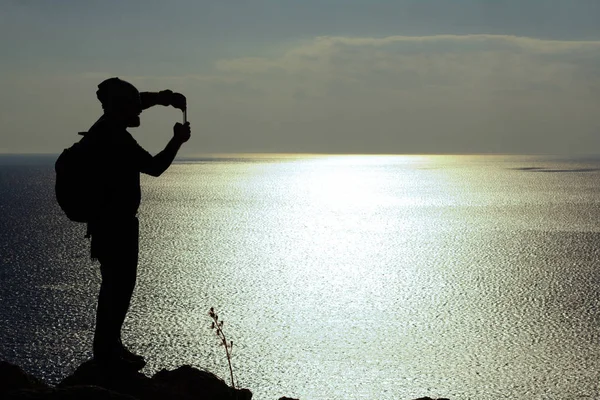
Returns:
<point x="182" y="132"/>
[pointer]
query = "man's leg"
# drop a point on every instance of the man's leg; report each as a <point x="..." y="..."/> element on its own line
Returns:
<point x="118" y="282"/>
<point x="118" y="265"/>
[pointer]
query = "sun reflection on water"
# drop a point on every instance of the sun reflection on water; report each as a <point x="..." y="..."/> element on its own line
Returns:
<point x="365" y="274"/>
<point x="338" y="277"/>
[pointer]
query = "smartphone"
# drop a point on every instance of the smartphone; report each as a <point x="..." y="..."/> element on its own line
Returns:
<point x="185" y="115"/>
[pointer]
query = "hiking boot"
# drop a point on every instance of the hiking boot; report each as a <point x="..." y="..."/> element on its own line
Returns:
<point x="129" y="356"/>
<point x="120" y="363"/>
<point x="119" y="358"/>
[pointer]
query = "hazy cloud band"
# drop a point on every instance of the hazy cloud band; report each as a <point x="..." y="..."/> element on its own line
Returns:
<point x="396" y="94"/>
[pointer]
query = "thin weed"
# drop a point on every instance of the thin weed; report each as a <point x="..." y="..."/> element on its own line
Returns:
<point x="217" y="326"/>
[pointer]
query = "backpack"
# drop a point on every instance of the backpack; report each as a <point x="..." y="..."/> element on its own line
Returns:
<point x="75" y="180"/>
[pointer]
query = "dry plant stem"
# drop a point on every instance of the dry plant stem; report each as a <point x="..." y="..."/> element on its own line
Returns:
<point x="218" y="325"/>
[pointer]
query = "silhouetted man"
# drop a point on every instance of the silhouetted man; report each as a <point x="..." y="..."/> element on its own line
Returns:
<point x="118" y="161"/>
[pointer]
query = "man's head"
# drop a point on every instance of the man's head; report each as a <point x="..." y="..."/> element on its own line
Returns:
<point x="120" y="100"/>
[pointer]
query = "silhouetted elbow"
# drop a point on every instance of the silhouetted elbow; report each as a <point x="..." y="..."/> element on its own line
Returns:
<point x="158" y="164"/>
<point x="153" y="171"/>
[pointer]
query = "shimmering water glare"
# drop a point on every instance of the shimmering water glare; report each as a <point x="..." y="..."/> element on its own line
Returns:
<point x="338" y="277"/>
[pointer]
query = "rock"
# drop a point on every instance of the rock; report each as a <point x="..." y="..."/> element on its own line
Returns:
<point x="91" y="381"/>
<point x="122" y="381"/>
<point x="72" y="393"/>
<point x="429" y="398"/>
<point x="14" y="378"/>
<point x="189" y="381"/>
<point x="184" y="383"/>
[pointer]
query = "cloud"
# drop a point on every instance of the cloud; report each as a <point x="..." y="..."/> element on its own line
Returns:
<point x="456" y="60"/>
<point x="325" y="53"/>
<point x="470" y="93"/>
<point x="396" y="94"/>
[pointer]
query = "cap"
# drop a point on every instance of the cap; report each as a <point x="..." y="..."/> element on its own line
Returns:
<point x="115" y="91"/>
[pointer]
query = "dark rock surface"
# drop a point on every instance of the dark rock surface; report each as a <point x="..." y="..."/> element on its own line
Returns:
<point x="429" y="398"/>
<point x="14" y="378"/>
<point x="72" y="393"/>
<point x="93" y="382"/>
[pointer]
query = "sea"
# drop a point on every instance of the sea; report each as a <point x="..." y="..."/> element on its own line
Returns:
<point x="337" y="277"/>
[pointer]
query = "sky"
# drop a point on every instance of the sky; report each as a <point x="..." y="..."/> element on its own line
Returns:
<point x="310" y="76"/>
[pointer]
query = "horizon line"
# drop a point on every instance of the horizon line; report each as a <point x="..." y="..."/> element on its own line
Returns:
<point x="318" y="154"/>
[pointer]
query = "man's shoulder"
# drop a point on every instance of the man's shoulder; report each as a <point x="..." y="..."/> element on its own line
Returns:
<point x="104" y="131"/>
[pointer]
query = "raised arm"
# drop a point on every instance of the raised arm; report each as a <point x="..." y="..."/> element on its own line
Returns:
<point x="158" y="164"/>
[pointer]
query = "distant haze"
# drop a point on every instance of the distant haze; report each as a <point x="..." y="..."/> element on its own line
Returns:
<point x="327" y="76"/>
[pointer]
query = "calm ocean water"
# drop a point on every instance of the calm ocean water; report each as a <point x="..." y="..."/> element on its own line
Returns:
<point x="348" y="277"/>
